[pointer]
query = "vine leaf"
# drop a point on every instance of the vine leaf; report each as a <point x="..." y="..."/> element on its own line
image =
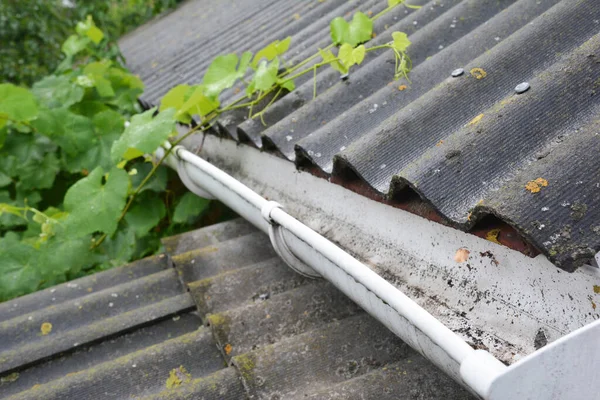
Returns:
<point x="18" y="274"/>
<point x="198" y="103"/>
<point x="57" y="91"/>
<point x="359" y="30"/>
<point x="349" y="56"/>
<point x="330" y="58"/>
<point x="94" y="206"/>
<point x="393" y="3"/>
<point x="188" y="100"/>
<point x="73" y="45"/>
<point x="223" y="72"/>
<point x="189" y="206"/>
<point x="89" y="29"/>
<point x="16" y="103"/>
<point x="401" y="41"/>
<point x="96" y="72"/>
<point x="265" y="76"/>
<point x="144" y="134"/>
<point x="73" y="133"/>
<point x="145" y="214"/>
<point x="272" y="50"/>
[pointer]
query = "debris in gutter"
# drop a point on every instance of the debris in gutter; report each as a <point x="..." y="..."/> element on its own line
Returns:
<point x="492" y="236"/>
<point x="461" y="255"/>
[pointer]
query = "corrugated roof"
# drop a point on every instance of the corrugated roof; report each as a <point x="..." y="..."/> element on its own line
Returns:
<point x="467" y="146"/>
<point x="260" y="331"/>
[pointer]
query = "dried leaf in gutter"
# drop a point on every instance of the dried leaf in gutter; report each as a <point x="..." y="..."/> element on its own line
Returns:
<point x="536" y="185"/>
<point x="492" y="235"/>
<point x="461" y="255"/>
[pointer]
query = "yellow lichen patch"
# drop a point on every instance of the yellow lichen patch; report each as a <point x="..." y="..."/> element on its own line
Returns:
<point x="475" y="120"/>
<point x="596" y="289"/>
<point x="227" y="349"/>
<point x="492" y="235"/>
<point x="478" y="73"/>
<point x="10" y="378"/>
<point x="46" y="328"/>
<point x="177" y="376"/>
<point x="402" y="87"/>
<point x="296" y="16"/>
<point x="536" y="185"/>
<point x="461" y="255"/>
<point x="441" y="142"/>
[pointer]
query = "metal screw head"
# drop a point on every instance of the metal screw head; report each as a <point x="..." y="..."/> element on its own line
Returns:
<point x="522" y="87"/>
<point x="458" y="72"/>
<point x="344" y="77"/>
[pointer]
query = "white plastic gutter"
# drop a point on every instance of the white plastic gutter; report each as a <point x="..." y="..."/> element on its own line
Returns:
<point x="311" y="254"/>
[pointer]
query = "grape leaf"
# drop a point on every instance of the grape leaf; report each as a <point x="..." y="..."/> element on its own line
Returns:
<point x="73" y="133"/>
<point x="107" y="128"/>
<point x="175" y="99"/>
<point x="116" y="250"/>
<point x="145" y="133"/>
<point x="223" y="72"/>
<point x="16" y="103"/>
<point x="401" y="41"/>
<point x="95" y="206"/>
<point x="189" y="206"/>
<point x="18" y="272"/>
<point x="157" y="183"/>
<point x="57" y="91"/>
<point x="4" y="179"/>
<point x="349" y="56"/>
<point x="359" y="30"/>
<point x="145" y="214"/>
<point x="327" y="56"/>
<point x="88" y="28"/>
<point x="198" y="103"/>
<point x="266" y="75"/>
<point x="74" y="44"/>
<point x="272" y="50"/>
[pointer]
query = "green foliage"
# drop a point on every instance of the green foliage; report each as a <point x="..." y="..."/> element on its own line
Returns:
<point x="349" y="56"/>
<point x="272" y="50"/>
<point x="32" y="31"/>
<point x="78" y="192"/>
<point x="359" y="30"/>
<point x="188" y="207"/>
<point x="76" y="195"/>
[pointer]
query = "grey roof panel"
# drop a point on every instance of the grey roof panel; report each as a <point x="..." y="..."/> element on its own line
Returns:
<point x="457" y="142"/>
<point x="267" y="332"/>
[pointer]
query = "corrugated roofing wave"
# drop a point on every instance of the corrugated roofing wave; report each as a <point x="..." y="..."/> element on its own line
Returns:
<point x="470" y="147"/>
<point x="261" y="331"/>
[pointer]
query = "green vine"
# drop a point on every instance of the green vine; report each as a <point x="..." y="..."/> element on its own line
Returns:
<point x="78" y="189"/>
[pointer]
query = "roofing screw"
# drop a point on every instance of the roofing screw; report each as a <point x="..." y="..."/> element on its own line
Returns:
<point x="457" y="72"/>
<point x="522" y="87"/>
<point x="344" y="77"/>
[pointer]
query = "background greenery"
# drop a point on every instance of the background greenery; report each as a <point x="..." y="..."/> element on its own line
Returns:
<point x="32" y="31"/>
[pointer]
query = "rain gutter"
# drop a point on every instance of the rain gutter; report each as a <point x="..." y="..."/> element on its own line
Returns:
<point x="311" y="254"/>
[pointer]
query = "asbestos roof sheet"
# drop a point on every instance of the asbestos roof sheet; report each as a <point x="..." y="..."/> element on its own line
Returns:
<point x="220" y="317"/>
<point x="469" y="145"/>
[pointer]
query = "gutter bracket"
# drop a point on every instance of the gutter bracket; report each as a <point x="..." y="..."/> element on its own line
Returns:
<point x="281" y="247"/>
